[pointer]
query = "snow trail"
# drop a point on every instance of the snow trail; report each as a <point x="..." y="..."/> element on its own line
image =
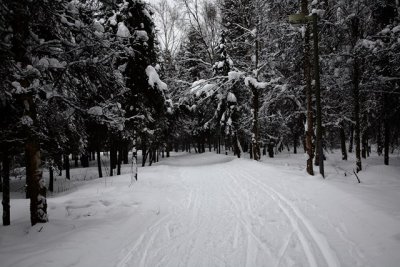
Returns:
<point x="296" y="217"/>
<point x="206" y="210"/>
<point x="223" y="222"/>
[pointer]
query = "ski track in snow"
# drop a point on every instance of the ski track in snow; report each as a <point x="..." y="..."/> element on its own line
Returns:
<point x="209" y="230"/>
<point x="210" y="210"/>
<point x="301" y="226"/>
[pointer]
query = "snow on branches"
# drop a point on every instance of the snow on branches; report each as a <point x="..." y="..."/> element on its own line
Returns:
<point x="154" y="79"/>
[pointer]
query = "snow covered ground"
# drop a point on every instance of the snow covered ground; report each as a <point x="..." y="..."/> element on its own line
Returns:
<point x="215" y="210"/>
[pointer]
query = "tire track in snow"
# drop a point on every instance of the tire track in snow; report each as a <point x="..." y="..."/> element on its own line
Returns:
<point x="297" y="219"/>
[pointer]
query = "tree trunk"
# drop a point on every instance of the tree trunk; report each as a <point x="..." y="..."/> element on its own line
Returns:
<point x="319" y="140"/>
<point x="114" y="155"/>
<point x="363" y="147"/>
<point x="99" y="162"/>
<point x="307" y="77"/>
<point x="209" y="142"/>
<point x="119" y="159"/>
<point x="198" y="146"/>
<point x="151" y="154"/>
<point x="356" y="99"/>
<point x="111" y="160"/>
<point x="36" y="184"/>
<point x="295" y="140"/>
<point x="271" y="150"/>
<point x="386" y="143"/>
<point x="125" y="154"/>
<point x="67" y="167"/>
<point x="379" y="142"/>
<point x="219" y="144"/>
<point x="134" y="156"/>
<point x="343" y="142"/>
<point x="51" y="178"/>
<point x="1" y="180"/>
<point x="6" y="187"/>
<point x="386" y="126"/>
<point x="85" y="160"/>
<point x="255" y="130"/>
<point x="351" y="138"/>
<point x="236" y="146"/>
<point x="144" y="155"/>
<point x="76" y="161"/>
<point x="168" y="149"/>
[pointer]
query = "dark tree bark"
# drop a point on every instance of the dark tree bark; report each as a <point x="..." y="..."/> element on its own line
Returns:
<point x="67" y="167"/>
<point x="114" y="155"/>
<point x="168" y="149"/>
<point x="119" y="159"/>
<point x="307" y="77"/>
<point x="145" y="155"/>
<point x="209" y="142"/>
<point x="125" y="154"/>
<point x="236" y="146"/>
<point x="356" y="99"/>
<point x="151" y="154"/>
<point x="379" y="141"/>
<point x="351" y="139"/>
<point x="134" y="156"/>
<point x="76" y="161"/>
<point x="295" y="142"/>
<point x="363" y="146"/>
<point x="36" y="184"/>
<point x="271" y="149"/>
<point x="245" y="147"/>
<point x="99" y="162"/>
<point x="51" y="178"/>
<point x="343" y="142"/>
<point x="1" y="179"/>
<point x="319" y="142"/>
<point x="219" y="144"/>
<point x="6" y="187"/>
<point x="85" y="160"/>
<point x="112" y="164"/>
<point x="255" y="130"/>
<point x="387" y="132"/>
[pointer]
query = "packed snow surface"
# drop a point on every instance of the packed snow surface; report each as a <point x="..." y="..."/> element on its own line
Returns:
<point x="214" y="210"/>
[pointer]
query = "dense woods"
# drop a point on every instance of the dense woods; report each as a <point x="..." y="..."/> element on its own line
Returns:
<point x="83" y="77"/>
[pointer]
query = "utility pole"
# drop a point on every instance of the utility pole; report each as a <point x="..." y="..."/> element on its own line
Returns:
<point x="303" y="19"/>
<point x="319" y="148"/>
